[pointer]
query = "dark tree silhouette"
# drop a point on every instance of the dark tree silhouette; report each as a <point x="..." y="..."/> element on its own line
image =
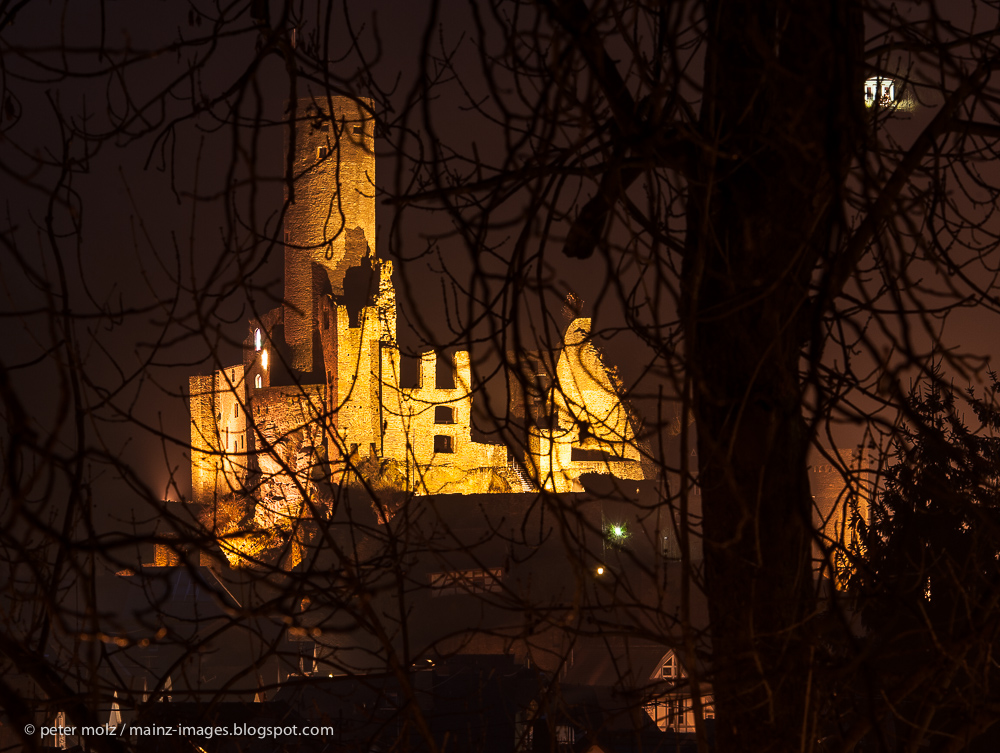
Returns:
<point x="928" y="581"/>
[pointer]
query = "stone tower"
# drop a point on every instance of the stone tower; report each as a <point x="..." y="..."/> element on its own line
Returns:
<point x="330" y="217"/>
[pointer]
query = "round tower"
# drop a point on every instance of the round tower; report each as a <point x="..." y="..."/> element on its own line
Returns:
<point x="330" y="214"/>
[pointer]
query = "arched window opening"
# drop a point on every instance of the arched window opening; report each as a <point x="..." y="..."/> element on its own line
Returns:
<point x="258" y="341"/>
<point x="257" y="381"/>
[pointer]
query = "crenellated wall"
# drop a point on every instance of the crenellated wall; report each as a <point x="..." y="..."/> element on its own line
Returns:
<point x="360" y="411"/>
<point x="429" y="429"/>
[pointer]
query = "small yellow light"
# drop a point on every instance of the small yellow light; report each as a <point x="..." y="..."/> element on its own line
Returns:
<point x="600" y="570"/>
<point x="263" y="359"/>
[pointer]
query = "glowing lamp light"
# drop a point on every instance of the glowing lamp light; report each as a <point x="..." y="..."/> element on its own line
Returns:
<point x="617" y="532"/>
<point x="600" y="569"/>
<point x="263" y="359"/>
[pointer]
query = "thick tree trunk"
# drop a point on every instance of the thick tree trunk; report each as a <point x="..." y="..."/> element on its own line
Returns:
<point x="777" y="118"/>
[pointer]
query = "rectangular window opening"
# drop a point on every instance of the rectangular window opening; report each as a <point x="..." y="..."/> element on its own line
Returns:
<point x="445" y="372"/>
<point x="444" y="414"/>
<point x="443" y="443"/>
<point x="409" y="371"/>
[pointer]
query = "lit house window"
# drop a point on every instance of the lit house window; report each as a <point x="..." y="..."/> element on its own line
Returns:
<point x="881" y="91"/>
<point x="668" y="670"/>
<point x="263" y="359"/>
<point x="465" y="582"/>
<point x="258" y="382"/>
<point x="565" y="735"/>
<point x="258" y="341"/>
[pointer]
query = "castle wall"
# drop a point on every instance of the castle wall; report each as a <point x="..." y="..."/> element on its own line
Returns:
<point x="353" y="364"/>
<point x="218" y="433"/>
<point x="551" y="456"/>
<point x="591" y="421"/>
<point x="254" y="358"/>
<point x="330" y="219"/>
<point x="358" y="386"/>
<point x="429" y="430"/>
<point x="204" y="438"/>
<point x="292" y="427"/>
<point x="326" y="326"/>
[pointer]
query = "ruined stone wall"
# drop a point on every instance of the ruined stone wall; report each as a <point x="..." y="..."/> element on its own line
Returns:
<point x="354" y="364"/>
<point x="551" y="458"/>
<point x="219" y="450"/>
<point x="292" y="426"/>
<point x="204" y="438"/>
<point x="254" y="359"/>
<point x="358" y="392"/>
<point x="590" y="416"/>
<point x="386" y="303"/>
<point x="330" y="219"/>
<point x="329" y="338"/>
<point x="430" y="431"/>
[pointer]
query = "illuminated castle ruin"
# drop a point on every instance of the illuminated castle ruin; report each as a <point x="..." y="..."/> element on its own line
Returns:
<point x="319" y="403"/>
